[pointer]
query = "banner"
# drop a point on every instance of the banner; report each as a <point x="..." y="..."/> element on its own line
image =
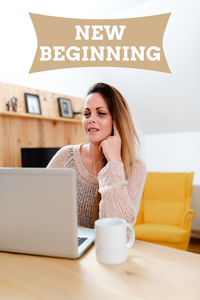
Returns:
<point x="127" y="43"/>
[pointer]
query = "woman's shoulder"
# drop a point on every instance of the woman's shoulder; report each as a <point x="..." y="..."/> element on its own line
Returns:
<point x="63" y="151"/>
<point x="67" y="148"/>
<point x="60" y="158"/>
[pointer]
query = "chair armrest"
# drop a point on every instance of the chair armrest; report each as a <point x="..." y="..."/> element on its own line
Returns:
<point x="187" y="218"/>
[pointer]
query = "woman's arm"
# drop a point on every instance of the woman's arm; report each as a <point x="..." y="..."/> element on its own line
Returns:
<point x="119" y="197"/>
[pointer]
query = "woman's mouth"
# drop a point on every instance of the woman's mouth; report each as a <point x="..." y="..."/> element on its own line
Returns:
<point x="93" y="129"/>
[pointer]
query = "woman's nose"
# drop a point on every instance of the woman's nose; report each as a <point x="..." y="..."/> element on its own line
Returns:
<point x="92" y="118"/>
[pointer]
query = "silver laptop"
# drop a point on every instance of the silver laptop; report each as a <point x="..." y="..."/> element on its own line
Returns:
<point x="38" y="213"/>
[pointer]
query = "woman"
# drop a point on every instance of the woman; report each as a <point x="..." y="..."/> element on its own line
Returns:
<point x="110" y="178"/>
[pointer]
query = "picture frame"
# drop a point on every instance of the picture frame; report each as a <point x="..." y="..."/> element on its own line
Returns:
<point x="32" y="103"/>
<point x="65" y="107"/>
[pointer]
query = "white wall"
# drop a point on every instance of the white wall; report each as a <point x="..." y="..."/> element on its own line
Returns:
<point x="176" y="152"/>
<point x="173" y="152"/>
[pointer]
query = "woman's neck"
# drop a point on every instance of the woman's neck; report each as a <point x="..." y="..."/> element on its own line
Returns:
<point x="94" y="152"/>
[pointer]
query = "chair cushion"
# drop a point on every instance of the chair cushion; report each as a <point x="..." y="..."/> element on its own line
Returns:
<point x="160" y="232"/>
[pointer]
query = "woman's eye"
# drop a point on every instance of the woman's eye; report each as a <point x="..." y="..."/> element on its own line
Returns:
<point x="86" y="114"/>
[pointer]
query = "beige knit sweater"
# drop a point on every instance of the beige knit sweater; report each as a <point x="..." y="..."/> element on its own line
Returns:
<point x="119" y="197"/>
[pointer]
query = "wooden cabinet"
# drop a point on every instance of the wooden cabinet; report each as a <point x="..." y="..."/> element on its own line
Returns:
<point x="22" y="130"/>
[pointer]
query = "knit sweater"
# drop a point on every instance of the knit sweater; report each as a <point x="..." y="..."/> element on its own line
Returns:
<point x="119" y="197"/>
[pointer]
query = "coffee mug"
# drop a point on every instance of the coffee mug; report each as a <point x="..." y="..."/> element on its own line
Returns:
<point x="111" y="240"/>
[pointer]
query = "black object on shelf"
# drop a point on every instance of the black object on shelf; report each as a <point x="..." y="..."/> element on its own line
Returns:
<point x="37" y="157"/>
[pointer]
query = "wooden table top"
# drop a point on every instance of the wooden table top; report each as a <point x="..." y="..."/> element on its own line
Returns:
<point x="150" y="272"/>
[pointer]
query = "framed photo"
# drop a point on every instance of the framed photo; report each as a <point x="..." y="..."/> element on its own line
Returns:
<point x="32" y="104"/>
<point x="65" y="108"/>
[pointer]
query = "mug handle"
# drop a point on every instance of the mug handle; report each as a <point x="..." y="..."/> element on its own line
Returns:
<point x="131" y="235"/>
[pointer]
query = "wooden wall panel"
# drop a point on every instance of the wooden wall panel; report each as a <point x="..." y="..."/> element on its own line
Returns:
<point x="21" y="130"/>
<point x="48" y="100"/>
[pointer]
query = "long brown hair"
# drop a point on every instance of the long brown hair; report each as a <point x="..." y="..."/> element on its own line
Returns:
<point x="121" y="114"/>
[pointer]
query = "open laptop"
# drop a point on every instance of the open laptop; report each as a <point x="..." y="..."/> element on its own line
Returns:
<point x="38" y="213"/>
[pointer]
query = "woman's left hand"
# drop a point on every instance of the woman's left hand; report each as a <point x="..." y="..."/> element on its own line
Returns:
<point x="111" y="146"/>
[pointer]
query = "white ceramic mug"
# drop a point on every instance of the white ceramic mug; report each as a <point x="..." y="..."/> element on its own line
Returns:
<point x="111" y="240"/>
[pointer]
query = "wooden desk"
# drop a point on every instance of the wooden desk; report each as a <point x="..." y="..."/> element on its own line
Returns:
<point x="150" y="272"/>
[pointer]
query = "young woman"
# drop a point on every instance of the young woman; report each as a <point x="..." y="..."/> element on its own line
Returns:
<point x="110" y="178"/>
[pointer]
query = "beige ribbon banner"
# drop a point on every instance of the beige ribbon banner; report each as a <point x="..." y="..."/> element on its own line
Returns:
<point x="127" y="43"/>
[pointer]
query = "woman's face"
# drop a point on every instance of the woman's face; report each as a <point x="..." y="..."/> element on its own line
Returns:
<point x="97" y="120"/>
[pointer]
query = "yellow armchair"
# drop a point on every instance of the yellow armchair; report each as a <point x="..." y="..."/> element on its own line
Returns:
<point x="165" y="216"/>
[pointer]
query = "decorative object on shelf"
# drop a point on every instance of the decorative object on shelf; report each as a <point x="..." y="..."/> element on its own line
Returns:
<point x="32" y="104"/>
<point x="14" y="103"/>
<point x="65" y="108"/>
<point x="8" y="106"/>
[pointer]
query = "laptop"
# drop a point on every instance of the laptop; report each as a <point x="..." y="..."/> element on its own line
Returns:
<point x="38" y="213"/>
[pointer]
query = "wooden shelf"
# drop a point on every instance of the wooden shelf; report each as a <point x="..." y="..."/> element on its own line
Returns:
<point x="41" y="117"/>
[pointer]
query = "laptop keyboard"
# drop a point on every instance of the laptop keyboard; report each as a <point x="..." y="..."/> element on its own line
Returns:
<point x="81" y="240"/>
